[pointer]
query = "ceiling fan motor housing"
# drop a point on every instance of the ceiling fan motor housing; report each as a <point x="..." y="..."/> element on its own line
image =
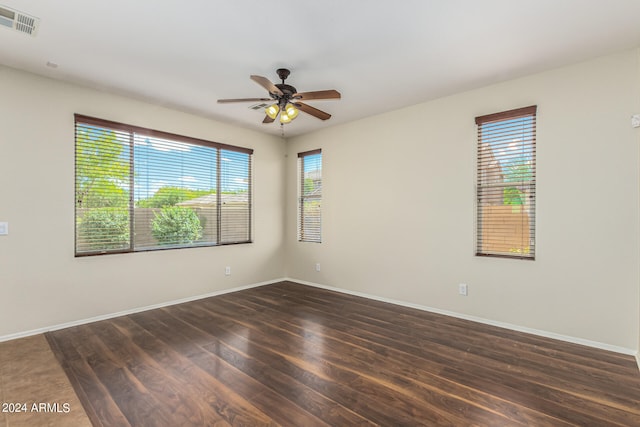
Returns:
<point x="287" y="90"/>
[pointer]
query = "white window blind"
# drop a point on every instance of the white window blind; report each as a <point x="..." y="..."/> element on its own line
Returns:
<point x="310" y="196"/>
<point x="506" y="184"/>
<point x="138" y="189"/>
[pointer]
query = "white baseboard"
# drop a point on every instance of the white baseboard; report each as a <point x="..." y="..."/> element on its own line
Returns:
<point x="546" y="334"/>
<point x="132" y="311"/>
<point x="595" y="344"/>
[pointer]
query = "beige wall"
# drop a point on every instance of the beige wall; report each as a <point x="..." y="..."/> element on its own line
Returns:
<point x="41" y="283"/>
<point x="398" y="206"/>
<point x="406" y="234"/>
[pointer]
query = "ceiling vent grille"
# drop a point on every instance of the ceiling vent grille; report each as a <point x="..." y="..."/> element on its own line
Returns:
<point x="18" y="21"/>
<point x="260" y="106"/>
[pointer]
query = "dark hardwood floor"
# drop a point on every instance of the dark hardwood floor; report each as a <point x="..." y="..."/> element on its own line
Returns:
<point x="293" y="355"/>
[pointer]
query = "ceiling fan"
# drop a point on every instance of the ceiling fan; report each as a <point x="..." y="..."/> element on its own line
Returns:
<point x="287" y="99"/>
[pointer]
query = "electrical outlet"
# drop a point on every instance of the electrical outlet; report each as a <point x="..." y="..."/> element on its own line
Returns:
<point x="4" y="228"/>
<point x="462" y="289"/>
<point x="227" y="271"/>
<point x="317" y="266"/>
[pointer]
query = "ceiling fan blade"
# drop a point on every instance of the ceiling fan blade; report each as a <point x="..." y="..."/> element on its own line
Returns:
<point x="313" y="111"/>
<point x="318" y="94"/>
<point x="267" y="119"/>
<point x="266" y="83"/>
<point x="224" y="101"/>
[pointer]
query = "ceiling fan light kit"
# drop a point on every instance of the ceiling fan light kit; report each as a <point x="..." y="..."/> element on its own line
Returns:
<point x="287" y="99"/>
<point x="284" y="118"/>
<point x="291" y="111"/>
<point x="272" y="111"/>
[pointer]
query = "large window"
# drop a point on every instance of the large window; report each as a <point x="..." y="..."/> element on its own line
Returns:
<point x="138" y="189"/>
<point x="506" y="184"/>
<point x="310" y="196"/>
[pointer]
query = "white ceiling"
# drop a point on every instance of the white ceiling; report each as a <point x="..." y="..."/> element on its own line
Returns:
<point x="381" y="55"/>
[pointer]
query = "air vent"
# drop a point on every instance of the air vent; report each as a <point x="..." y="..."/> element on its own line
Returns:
<point x="18" y="21"/>
<point x="260" y="106"/>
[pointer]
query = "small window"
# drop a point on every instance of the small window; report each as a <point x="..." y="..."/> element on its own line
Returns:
<point x="506" y="184"/>
<point x="139" y="189"/>
<point x="310" y="200"/>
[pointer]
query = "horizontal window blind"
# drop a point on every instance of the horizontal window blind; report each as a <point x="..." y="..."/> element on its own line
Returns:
<point x="310" y="200"/>
<point x="103" y="184"/>
<point x="506" y="184"/>
<point x="235" y="203"/>
<point x="139" y="189"/>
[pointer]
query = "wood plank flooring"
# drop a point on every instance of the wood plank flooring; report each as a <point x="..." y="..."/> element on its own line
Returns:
<point x="293" y="355"/>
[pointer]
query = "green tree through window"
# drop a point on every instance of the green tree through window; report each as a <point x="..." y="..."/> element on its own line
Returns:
<point x="102" y="169"/>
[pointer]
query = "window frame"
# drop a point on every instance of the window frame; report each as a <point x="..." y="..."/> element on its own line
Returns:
<point x="302" y="198"/>
<point x="134" y="131"/>
<point x="481" y="193"/>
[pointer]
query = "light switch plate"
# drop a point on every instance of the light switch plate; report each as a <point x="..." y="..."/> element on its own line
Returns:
<point x="635" y="121"/>
<point x="4" y="228"/>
